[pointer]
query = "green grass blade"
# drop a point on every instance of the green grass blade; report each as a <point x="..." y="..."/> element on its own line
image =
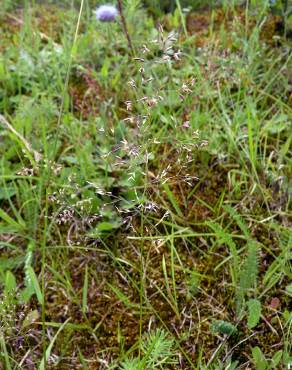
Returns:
<point x="5" y="217"/>
<point x="84" y="291"/>
<point x="42" y="365"/>
<point x="5" y="352"/>
<point x="172" y="199"/>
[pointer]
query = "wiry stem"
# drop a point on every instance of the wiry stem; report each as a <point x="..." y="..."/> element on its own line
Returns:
<point x="125" y="28"/>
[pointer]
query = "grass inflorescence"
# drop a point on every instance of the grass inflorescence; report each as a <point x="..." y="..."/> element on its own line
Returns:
<point x="145" y="199"/>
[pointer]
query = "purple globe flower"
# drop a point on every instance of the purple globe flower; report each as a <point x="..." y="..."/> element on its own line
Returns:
<point x="106" y="13"/>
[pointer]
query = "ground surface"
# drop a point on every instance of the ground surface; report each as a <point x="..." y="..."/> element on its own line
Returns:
<point x="145" y="201"/>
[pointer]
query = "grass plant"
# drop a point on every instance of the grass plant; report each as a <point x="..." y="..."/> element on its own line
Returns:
<point x="145" y="187"/>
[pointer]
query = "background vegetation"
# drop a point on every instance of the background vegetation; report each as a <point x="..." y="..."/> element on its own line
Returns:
<point x="145" y="200"/>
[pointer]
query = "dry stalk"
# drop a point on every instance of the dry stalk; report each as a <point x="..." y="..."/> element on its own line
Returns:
<point x="125" y="28"/>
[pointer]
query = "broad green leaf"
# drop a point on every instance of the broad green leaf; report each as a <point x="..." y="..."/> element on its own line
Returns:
<point x="254" y="313"/>
<point x="35" y="284"/>
<point x="104" y="227"/>
<point x="223" y="327"/>
<point x="289" y="289"/>
<point x="26" y="294"/>
<point x="10" y="282"/>
<point x="276" y="359"/>
<point x="259" y="359"/>
<point x="31" y="317"/>
<point x="7" y="193"/>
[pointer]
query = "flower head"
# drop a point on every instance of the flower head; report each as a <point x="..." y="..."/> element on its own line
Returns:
<point x="106" y="13"/>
